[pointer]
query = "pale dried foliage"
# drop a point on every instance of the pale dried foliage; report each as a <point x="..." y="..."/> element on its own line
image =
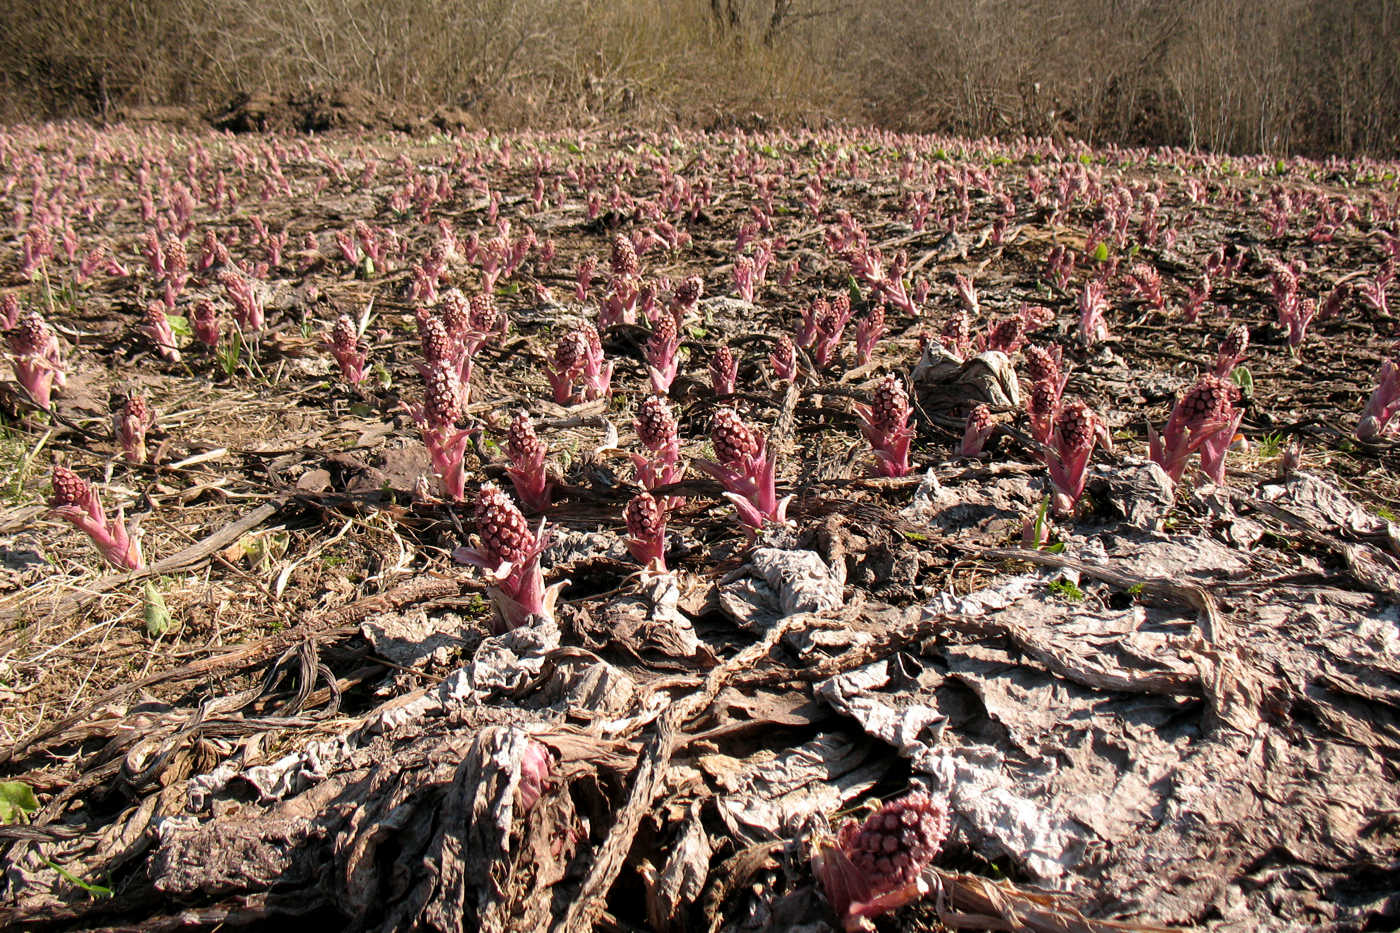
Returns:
<point x="1239" y="75"/>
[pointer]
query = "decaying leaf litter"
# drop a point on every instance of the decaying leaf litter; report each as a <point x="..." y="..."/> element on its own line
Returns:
<point x="1180" y="710"/>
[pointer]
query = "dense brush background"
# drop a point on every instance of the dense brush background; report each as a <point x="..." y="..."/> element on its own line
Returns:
<point x="1297" y="76"/>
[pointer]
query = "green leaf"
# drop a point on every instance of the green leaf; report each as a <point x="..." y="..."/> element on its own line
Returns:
<point x="157" y="615"/>
<point x="1241" y="377"/>
<point x="1101" y="252"/>
<point x="180" y="325"/>
<point x="17" y="801"/>
<point x="96" y="890"/>
<point x="1066" y="590"/>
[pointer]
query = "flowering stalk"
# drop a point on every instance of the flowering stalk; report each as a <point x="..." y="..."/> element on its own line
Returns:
<point x="783" y="359"/>
<point x="247" y="304"/>
<point x="437" y="421"/>
<point x="157" y="326"/>
<point x="646" y="531"/>
<point x="744" y="276"/>
<point x="76" y="501"/>
<point x="130" y="424"/>
<point x="527" y="464"/>
<point x="35" y="353"/>
<point x="1205" y="415"/>
<point x="662" y="363"/>
<point x="570" y="356"/>
<point x="1232" y="350"/>
<point x="349" y="350"/>
<point x="597" y="370"/>
<point x="205" y="323"/>
<point x="510" y="555"/>
<point x="746" y="472"/>
<point x="877" y="866"/>
<point x="1379" y="418"/>
<point x="1092" y="325"/>
<point x="869" y="330"/>
<point x="657" y="430"/>
<point x="724" y="371"/>
<point x="830" y="325"/>
<point x="686" y="296"/>
<point x="885" y="424"/>
<point x="583" y="276"/>
<point x="975" y="433"/>
<point x="1077" y="430"/>
<point x="956" y="335"/>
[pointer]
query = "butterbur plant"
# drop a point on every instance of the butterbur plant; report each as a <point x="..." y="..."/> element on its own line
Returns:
<point x="1380" y="417"/>
<point x="527" y="464"/>
<point x="570" y="355"/>
<point x="869" y="330"/>
<point x="204" y="321"/>
<point x="130" y="424"/>
<point x="1093" y="327"/>
<point x="597" y="371"/>
<point x="35" y="353"/>
<point x="746" y="471"/>
<point x="349" y="350"/>
<point x="976" y="432"/>
<point x="1077" y="429"/>
<point x="657" y="430"/>
<point x="830" y="325"/>
<point x="877" y="866"/>
<point x="1232" y="350"/>
<point x="510" y="555"/>
<point x="437" y="420"/>
<point x="724" y="371"/>
<point x="1203" y="419"/>
<point x="662" y="363"/>
<point x="885" y="424"/>
<point x="783" y="359"/>
<point x="75" y="501"/>
<point x="156" y="326"/>
<point x="646" y="531"/>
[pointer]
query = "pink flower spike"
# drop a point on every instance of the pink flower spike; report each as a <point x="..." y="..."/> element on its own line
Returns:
<point x="510" y="554"/>
<point x="1077" y="430"/>
<point x="205" y="323"/>
<point x="570" y="356"/>
<point x="34" y="351"/>
<point x="746" y="472"/>
<point x="437" y="421"/>
<point x="157" y="327"/>
<point x="349" y="350"/>
<point x="783" y="359"/>
<point x="1232" y="350"/>
<point x="877" y="866"/>
<point x="724" y="371"/>
<point x="662" y="346"/>
<point x="885" y="424"/>
<point x="77" y="502"/>
<point x="130" y="424"/>
<point x="527" y="464"/>
<point x="869" y="330"/>
<point x="1380" y="417"/>
<point x="646" y="531"/>
<point x="1205" y="411"/>
<point x="979" y="428"/>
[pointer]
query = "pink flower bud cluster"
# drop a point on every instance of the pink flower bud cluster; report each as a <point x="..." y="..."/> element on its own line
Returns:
<point x="77" y="502"/>
<point x="1077" y="430"/>
<point x="657" y="430"/>
<point x="662" y="346"/>
<point x="156" y="326"/>
<point x="646" y="531"/>
<point x="1203" y="419"/>
<point x="869" y="330"/>
<point x="130" y="424"/>
<point x="885" y="424"/>
<point x="1047" y="386"/>
<point x="877" y="866"/>
<point x="437" y="422"/>
<point x="976" y="432"/>
<point x="527" y="468"/>
<point x="349" y="350"/>
<point x="578" y="358"/>
<point x="783" y="359"/>
<point x="1232" y="350"/>
<point x="1382" y="414"/>
<point x="724" y="371"/>
<point x="36" y="357"/>
<point x="510" y="554"/>
<point x="746" y="471"/>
